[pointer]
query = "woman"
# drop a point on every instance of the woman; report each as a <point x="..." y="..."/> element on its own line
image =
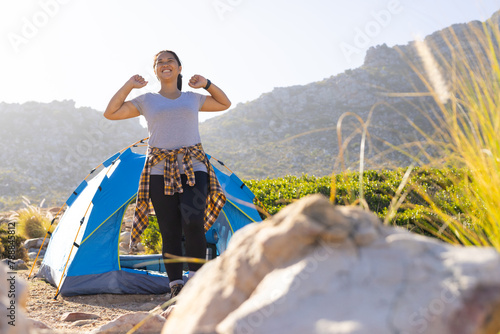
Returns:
<point x="177" y="176"/>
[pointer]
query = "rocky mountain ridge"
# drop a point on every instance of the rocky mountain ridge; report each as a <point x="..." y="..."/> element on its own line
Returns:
<point x="293" y="130"/>
<point x="50" y="147"/>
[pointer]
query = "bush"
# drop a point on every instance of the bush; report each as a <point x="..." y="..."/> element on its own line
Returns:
<point x="151" y="237"/>
<point x="379" y="187"/>
<point x="15" y="241"/>
<point x="275" y="194"/>
<point x="30" y="221"/>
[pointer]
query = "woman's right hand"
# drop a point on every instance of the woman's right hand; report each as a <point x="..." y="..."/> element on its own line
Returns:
<point x="117" y="107"/>
<point x="137" y="81"/>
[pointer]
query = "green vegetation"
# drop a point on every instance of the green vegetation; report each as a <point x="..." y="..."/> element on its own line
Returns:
<point x="151" y="237"/>
<point x="274" y="194"/>
<point x="379" y="188"/>
<point x="11" y="246"/>
<point x="464" y="87"/>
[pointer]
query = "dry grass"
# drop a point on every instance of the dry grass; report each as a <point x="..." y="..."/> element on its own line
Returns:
<point x="30" y="221"/>
<point x="464" y="83"/>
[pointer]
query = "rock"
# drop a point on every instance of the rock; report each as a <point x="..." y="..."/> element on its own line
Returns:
<point x="7" y="263"/>
<point x="35" y="243"/>
<point x="13" y="297"/>
<point x="75" y="316"/>
<point x="140" y="247"/>
<point x="32" y="255"/>
<point x="38" y="324"/>
<point x="125" y="322"/>
<point x="20" y="265"/>
<point x="125" y="237"/>
<point x="79" y="323"/>
<point x="15" y="264"/>
<point x="55" y="210"/>
<point x="147" y="307"/>
<point x="40" y="241"/>
<point x="36" y="250"/>
<point x="317" y="268"/>
<point x="30" y="243"/>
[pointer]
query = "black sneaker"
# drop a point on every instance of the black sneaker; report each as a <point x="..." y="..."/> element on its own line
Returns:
<point x="175" y="290"/>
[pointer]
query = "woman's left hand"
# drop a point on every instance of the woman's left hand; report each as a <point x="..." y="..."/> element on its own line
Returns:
<point x="197" y="81"/>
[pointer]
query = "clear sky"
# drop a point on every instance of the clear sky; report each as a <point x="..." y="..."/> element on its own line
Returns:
<point x="85" y="50"/>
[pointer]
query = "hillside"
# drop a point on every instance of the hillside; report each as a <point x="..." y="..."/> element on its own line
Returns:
<point x="50" y="147"/>
<point x="293" y="130"/>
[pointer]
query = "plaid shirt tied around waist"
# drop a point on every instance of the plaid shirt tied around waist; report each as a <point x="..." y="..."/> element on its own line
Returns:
<point x="215" y="198"/>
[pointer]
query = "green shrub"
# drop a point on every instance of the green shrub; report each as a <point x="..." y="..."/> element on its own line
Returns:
<point x="275" y="194"/>
<point x="151" y="237"/>
<point x="379" y="187"/>
<point x="9" y="241"/>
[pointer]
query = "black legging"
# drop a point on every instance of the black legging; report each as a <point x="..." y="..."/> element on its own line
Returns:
<point x="179" y="212"/>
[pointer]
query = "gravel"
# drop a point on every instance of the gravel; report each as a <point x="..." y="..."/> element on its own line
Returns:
<point x="41" y="306"/>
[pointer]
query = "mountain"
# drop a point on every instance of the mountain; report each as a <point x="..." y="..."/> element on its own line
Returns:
<point x="293" y="130"/>
<point x="50" y="147"/>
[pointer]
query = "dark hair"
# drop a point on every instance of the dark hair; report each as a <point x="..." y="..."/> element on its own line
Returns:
<point x="179" y="77"/>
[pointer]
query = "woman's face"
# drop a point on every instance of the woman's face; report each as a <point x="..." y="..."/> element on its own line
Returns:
<point x="166" y="66"/>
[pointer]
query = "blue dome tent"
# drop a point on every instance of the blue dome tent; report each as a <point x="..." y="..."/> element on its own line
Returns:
<point x="83" y="253"/>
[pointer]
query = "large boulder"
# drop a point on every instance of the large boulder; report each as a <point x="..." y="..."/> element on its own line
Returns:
<point x="317" y="268"/>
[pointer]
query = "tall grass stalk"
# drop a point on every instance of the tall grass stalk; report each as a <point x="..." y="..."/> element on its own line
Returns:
<point x="342" y="147"/>
<point x="464" y="83"/>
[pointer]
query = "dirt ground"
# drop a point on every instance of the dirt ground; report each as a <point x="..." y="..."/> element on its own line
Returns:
<point x="41" y="306"/>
